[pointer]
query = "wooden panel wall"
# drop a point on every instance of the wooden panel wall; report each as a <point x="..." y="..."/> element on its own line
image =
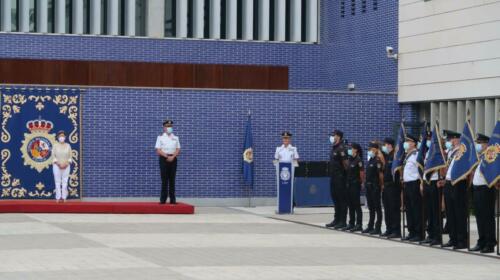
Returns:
<point x="142" y="74"/>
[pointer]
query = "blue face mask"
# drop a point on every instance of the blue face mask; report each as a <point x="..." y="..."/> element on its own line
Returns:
<point x="448" y="145"/>
<point x="170" y="130"/>
<point x="385" y="150"/>
<point x="419" y="144"/>
<point x="349" y="152"/>
<point x="428" y="143"/>
<point x="406" y="146"/>
<point x="370" y="154"/>
<point x="479" y="148"/>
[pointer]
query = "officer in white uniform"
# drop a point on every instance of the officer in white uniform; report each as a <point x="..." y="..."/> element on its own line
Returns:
<point x="412" y="196"/>
<point x="484" y="204"/>
<point x="287" y="152"/>
<point x="168" y="148"/>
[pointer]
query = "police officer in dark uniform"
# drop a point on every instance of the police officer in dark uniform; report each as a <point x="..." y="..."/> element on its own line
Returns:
<point x="338" y="190"/>
<point x="455" y="197"/>
<point x="391" y="195"/>
<point x="355" y="175"/>
<point x="484" y="204"/>
<point x="374" y="183"/>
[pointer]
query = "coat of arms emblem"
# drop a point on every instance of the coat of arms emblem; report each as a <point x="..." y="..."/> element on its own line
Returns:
<point x="37" y="145"/>
<point x="285" y="174"/>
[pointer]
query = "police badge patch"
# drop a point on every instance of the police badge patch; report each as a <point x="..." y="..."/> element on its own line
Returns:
<point x="285" y="174"/>
<point x="37" y="145"/>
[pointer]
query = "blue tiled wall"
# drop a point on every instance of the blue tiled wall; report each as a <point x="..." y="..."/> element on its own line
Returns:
<point x="121" y="126"/>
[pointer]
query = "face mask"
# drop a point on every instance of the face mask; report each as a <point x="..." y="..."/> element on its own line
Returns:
<point x="61" y="139"/>
<point x="428" y="143"/>
<point x="170" y="130"/>
<point x="385" y="150"/>
<point x="370" y="154"/>
<point x="479" y="148"/>
<point x="406" y="146"/>
<point x="332" y="139"/>
<point x="448" y="145"/>
<point x="419" y="145"/>
<point x="349" y="152"/>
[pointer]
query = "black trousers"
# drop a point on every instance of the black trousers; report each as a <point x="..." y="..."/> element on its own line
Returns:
<point x="432" y="211"/>
<point x="413" y="205"/>
<point x="338" y="191"/>
<point x="355" y="213"/>
<point x="167" y="171"/>
<point x="391" y="196"/>
<point x="456" y="211"/>
<point x="484" y="208"/>
<point x="373" y="197"/>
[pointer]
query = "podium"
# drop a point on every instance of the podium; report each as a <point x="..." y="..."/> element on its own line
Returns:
<point x="284" y="185"/>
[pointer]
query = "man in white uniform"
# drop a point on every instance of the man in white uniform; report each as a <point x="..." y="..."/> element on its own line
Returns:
<point x="412" y="196"/>
<point x="287" y="152"/>
<point x="168" y="148"/>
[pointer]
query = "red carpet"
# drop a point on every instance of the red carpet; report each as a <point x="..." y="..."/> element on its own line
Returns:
<point x="50" y="206"/>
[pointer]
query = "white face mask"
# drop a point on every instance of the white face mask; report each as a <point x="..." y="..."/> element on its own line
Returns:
<point x="332" y="139"/>
<point x="61" y="139"/>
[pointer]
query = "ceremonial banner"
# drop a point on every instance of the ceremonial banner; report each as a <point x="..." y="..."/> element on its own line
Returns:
<point x="490" y="164"/>
<point x="435" y="160"/>
<point x="466" y="157"/>
<point x="30" y="120"/>
<point x="285" y="175"/>
<point x="248" y="154"/>
<point x="399" y="152"/>
<point x="422" y="150"/>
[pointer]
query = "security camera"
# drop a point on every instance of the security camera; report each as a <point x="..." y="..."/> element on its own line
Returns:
<point x="390" y="53"/>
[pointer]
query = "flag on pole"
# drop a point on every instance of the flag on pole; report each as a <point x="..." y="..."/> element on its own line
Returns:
<point x="490" y="164"/>
<point x="466" y="156"/>
<point x="399" y="152"/>
<point x="422" y="150"/>
<point x="435" y="159"/>
<point x="248" y="154"/>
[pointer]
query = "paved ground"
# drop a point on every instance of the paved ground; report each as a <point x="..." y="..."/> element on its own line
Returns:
<point x="218" y="244"/>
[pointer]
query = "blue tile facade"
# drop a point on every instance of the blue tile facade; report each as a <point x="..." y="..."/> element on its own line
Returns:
<point x="120" y="125"/>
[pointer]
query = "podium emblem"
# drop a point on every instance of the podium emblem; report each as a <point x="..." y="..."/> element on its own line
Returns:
<point x="285" y="174"/>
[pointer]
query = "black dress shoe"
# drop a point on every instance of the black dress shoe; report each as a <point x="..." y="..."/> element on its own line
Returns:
<point x="386" y="233"/>
<point x="162" y="202"/>
<point x="476" y="248"/>
<point x="356" y="228"/>
<point x="375" y="232"/>
<point x="435" y="243"/>
<point x="394" y="235"/>
<point x="348" y="227"/>
<point x="426" y="241"/>
<point x="487" y="250"/>
<point x="407" y="238"/>
<point x="448" y="244"/>
<point x="459" y="246"/>
<point x="329" y="225"/>
<point x="173" y="202"/>
<point x="340" y="226"/>
<point x="367" y="230"/>
<point x="416" y="239"/>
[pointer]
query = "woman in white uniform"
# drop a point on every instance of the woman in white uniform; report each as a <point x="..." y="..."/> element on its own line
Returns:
<point x="61" y="166"/>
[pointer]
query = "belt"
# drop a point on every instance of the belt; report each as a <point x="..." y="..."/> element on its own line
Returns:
<point x="410" y="182"/>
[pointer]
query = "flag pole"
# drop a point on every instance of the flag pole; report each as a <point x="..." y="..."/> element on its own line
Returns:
<point x="249" y="190"/>
<point x="467" y="195"/>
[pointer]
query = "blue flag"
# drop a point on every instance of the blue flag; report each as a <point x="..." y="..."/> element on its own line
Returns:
<point x="490" y="164"/>
<point x="466" y="156"/>
<point x="435" y="160"/>
<point x="248" y="154"/>
<point x="399" y="152"/>
<point x="422" y="150"/>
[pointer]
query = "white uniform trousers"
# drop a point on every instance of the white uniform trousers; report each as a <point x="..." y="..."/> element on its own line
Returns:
<point x="61" y="177"/>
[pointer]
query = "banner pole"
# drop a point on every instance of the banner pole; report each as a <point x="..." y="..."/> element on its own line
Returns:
<point x="498" y="221"/>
